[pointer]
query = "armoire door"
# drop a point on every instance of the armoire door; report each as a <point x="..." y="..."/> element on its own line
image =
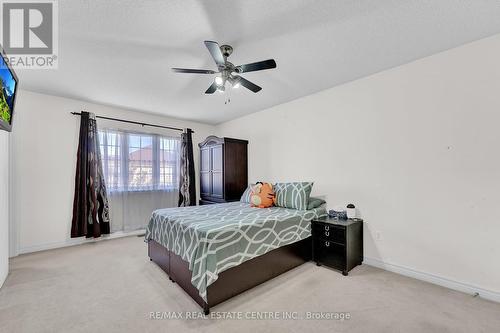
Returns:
<point x="217" y="168"/>
<point x="205" y="172"/>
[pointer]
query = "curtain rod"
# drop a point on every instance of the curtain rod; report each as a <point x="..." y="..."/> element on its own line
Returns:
<point x="134" y="122"/>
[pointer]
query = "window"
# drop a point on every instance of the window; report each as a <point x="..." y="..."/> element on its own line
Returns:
<point x="169" y="150"/>
<point x="139" y="161"/>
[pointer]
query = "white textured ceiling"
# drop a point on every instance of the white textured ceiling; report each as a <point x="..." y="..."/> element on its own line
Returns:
<point x="119" y="52"/>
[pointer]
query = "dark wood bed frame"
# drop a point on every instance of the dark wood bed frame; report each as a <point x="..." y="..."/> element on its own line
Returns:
<point x="236" y="279"/>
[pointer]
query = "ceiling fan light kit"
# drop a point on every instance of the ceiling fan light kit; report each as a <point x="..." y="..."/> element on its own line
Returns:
<point x="228" y="71"/>
<point x="219" y="81"/>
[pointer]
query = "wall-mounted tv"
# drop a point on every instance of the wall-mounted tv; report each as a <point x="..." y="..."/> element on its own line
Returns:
<point x="8" y="89"/>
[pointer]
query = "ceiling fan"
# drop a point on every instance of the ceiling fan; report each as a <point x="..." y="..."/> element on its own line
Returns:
<point x="228" y="71"/>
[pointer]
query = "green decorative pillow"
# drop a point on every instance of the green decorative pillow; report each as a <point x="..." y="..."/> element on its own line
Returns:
<point x="293" y="195"/>
<point x="245" y="197"/>
<point x="315" y="203"/>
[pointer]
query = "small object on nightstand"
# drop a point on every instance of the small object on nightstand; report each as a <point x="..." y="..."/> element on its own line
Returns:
<point x="337" y="244"/>
<point x="337" y="214"/>
<point x="351" y="211"/>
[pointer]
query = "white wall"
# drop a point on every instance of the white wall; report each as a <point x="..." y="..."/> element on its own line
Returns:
<point x="416" y="148"/>
<point x="4" y="206"/>
<point x="44" y="145"/>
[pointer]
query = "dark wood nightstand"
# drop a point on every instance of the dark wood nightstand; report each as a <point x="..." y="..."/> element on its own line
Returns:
<point x="337" y="243"/>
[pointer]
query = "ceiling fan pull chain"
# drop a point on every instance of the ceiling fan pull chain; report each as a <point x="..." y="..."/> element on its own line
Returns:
<point x="227" y="97"/>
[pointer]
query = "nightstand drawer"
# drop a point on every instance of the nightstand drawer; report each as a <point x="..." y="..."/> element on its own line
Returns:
<point x="329" y="232"/>
<point x="330" y="253"/>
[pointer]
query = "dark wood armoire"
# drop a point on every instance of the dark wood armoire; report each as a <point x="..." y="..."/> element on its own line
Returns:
<point x="223" y="169"/>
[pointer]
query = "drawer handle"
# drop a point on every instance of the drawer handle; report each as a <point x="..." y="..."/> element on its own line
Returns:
<point x="327" y="244"/>
<point x="327" y="228"/>
<point x="327" y="233"/>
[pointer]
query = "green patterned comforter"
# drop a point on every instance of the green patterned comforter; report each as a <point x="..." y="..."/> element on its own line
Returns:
<point x="213" y="238"/>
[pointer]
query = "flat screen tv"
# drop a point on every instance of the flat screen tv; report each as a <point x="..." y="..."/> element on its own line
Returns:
<point x="8" y="89"/>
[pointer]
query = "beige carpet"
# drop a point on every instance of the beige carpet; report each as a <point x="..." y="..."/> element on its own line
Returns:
<point x="111" y="286"/>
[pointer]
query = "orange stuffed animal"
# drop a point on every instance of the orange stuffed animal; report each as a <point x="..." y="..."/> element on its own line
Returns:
<point x="262" y="195"/>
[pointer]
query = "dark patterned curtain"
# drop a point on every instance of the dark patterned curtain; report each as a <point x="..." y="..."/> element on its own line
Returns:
<point x="187" y="188"/>
<point x="90" y="204"/>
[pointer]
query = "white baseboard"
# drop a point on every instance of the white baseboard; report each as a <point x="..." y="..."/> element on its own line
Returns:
<point x="3" y="278"/>
<point x="434" y="279"/>
<point x="78" y="241"/>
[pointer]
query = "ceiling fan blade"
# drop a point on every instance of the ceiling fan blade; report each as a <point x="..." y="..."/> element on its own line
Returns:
<point x="257" y="66"/>
<point x="249" y="85"/>
<point x="211" y="89"/>
<point x="214" y="49"/>
<point x="193" y="71"/>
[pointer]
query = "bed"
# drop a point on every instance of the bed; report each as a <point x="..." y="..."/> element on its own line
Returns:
<point x="217" y="251"/>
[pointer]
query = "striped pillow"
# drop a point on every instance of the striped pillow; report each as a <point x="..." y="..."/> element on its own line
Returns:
<point x="245" y="197"/>
<point x="293" y="195"/>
